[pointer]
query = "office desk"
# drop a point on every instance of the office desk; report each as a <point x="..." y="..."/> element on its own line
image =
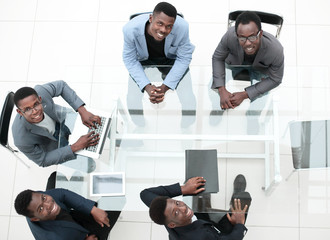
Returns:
<point x="149" y="143"/>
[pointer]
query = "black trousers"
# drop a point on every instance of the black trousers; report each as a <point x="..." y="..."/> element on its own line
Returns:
<point x="89" y="223"/>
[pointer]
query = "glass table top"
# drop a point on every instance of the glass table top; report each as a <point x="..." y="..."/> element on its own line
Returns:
<point x="148" y="142"/>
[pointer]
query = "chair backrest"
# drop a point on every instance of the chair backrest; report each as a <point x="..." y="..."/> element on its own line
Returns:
<point x="310" y="143"/>
<point x="6" y="113"/>
<point x="268" y="18"/>
<point x="137" y="14"/>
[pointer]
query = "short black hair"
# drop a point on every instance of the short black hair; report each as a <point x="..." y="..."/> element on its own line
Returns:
<point x="23" y="93"/>
<point x="246" y="17"/>
<point x="157" y="209"/>
<point x="22" y="202"/>
<point x="166" y="8"/>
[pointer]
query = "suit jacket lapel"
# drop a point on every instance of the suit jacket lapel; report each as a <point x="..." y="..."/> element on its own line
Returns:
<point x="260" y="54"/>
<point x="50" y="110"/>
<point x="240" y="54"/>
<point x="37" y="130"/>
<point x="142" y="48"/>
<point x="168" y="42"/>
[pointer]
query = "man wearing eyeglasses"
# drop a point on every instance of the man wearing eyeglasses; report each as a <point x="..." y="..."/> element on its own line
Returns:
<point x="259" y="53"/>
<point x="39" y="125"/>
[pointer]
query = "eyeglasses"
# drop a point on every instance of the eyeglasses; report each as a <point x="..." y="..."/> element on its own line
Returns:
<point x="251" y="38"/>
<point x="28" y="111"/>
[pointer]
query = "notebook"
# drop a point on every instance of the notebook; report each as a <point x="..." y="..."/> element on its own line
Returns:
<point x="103" y="131"/>
<point x="203" y="163"/>
<point x="107" y="184"/>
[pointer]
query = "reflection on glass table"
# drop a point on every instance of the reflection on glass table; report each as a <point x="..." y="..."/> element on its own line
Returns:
<point x="74" y="174"/>
<point x="205" y="125"/>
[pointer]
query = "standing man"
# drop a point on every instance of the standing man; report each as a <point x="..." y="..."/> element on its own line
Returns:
<point x="247" y="44"/>
<point x="39" y="125"/>
<point x="181" y="222"/>
<point x="160" y="38"/>
<point x="60" y="214"/>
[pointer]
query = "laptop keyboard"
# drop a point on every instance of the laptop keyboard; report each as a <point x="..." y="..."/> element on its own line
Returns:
<point x="98" y="129"/>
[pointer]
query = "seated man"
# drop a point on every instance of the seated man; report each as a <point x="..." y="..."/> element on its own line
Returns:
<point x="38" y="127"/>
<point x="247" y="44"/>
<point x="160" y="38"/>
<point x="179" y="219"/>
<point x="60" y="214"/>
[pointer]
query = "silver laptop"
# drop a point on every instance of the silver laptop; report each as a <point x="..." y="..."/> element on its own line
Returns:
<point x="103" y="131"/>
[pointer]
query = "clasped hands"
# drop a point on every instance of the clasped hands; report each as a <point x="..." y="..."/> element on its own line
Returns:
<point x="231" y="100"/>
<point x="156" y="94"/>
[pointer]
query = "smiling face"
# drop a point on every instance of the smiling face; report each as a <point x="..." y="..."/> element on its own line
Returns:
<point x="177" y="213"/>
<point x="31" y="109"/>
<point x="160" y="25"/>
<point x="43" y="207"/>
<point x="248" y="30"/>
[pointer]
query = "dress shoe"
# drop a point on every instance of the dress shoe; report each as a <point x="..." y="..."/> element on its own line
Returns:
<point x="239" y="184"/>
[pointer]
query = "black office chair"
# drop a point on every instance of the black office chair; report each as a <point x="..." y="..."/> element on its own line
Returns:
<point x="137" y="14"/>
<point x="268" y="18"/>
<point x="5" y="123"/>
<point x="5" y="118"/>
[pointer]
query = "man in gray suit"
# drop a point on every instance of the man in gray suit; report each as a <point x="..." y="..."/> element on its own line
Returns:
<point x="39" y="125"/>
<point x="259" y="53"/>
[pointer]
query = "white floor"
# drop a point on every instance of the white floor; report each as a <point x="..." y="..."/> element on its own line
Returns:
<point x="80" y="41"/>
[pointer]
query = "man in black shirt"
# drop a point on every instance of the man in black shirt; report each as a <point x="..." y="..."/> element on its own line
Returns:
<point x="160" y="38"/>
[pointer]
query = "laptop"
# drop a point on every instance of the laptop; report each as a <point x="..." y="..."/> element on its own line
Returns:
<point x="107" y="184"/>
<point x="80" y="129"/>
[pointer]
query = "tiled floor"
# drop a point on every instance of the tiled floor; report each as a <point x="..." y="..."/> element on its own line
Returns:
<point x="80" y="41"/>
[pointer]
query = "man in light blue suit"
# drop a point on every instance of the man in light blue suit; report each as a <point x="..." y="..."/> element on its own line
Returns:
<point x="160" y="38"/>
